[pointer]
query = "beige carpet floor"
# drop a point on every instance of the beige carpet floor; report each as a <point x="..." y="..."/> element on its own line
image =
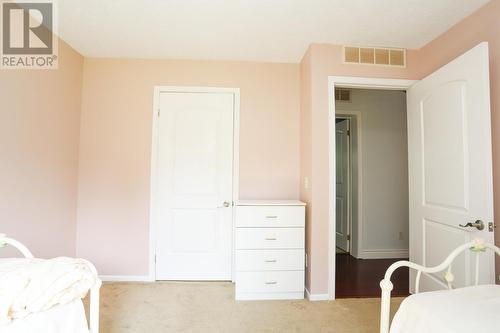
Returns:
<point x="163" y="307"/>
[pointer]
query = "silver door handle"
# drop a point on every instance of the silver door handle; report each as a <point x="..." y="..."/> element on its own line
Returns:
<point x="479" y="225"/>
<point x="225" y="204"/>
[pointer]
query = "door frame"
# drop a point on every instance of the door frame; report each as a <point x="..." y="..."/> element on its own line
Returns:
<point x="153" y="209"/>
<point x="346" y="82"/>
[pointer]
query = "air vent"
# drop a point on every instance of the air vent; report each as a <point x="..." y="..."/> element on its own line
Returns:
<point x="342" y="95"/>
<point x="375" y="56"/>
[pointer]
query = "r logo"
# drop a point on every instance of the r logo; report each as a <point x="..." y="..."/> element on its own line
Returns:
<point x="27" y="28"/>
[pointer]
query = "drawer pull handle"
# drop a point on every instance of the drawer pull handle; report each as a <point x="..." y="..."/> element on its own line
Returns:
<point x="274" y="260"/>
<point x="271" y="282"/>
<point x="270" y="238"/>
<point x="271" y="217"/>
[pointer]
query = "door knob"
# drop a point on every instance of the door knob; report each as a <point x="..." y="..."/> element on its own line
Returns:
<point x="479" y="225"/>
<point x="225" y="204"/>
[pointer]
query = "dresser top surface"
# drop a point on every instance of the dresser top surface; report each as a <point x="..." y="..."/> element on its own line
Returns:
<point x="270" y="203"/>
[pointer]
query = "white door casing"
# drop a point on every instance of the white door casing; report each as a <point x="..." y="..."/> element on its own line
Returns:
<point x="347" y="82"/>
<point x="450" y="166"/>
<point x="194" y="185"/>
<point x="342" y="184"/>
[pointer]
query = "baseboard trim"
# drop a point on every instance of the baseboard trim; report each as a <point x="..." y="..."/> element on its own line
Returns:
<point x="383" y="254"/>
<point x="316" y="297"/>
<point x="125" y="278"/>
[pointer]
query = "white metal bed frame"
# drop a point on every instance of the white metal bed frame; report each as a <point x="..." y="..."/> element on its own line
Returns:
<point x="94" y="291"/>
<point x="477" y="246"/>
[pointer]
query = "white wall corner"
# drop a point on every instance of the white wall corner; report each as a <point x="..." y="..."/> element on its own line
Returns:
<point x="316" y="297"/>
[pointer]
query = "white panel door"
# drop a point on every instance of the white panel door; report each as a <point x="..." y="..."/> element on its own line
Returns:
<point x="342" y="184"/>
<point x="195" y="168"/>
<point x="450" y="167"/>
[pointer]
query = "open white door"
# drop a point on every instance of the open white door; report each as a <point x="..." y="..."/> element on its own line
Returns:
<point x="195" y="170"/>
<point x="450" y="167"/>
<point x="342" y="184"/>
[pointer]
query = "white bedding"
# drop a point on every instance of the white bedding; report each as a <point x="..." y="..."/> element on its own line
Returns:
<point x="69" y="318"/>
<point x="470" y="309"/>
<point x="30" y="286"/>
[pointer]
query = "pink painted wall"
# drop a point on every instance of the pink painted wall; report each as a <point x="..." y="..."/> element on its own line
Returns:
<point x="484" y="25"/>
<point x="115" y="149"/>
<point x="321" y="61"/>
<point x="39" y="135"/>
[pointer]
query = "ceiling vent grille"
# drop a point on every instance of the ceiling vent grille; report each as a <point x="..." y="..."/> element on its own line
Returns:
<point x="375" y="56"/>
<point x="342" y="95"/>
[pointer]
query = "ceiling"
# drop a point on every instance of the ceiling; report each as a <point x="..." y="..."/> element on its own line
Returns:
<point x="255" y="30"/>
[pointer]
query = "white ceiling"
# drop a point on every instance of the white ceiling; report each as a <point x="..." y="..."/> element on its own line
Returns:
<point x="256" y="30"/>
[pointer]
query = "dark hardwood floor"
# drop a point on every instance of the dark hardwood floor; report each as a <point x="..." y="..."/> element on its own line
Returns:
<point x="361" y="277"/>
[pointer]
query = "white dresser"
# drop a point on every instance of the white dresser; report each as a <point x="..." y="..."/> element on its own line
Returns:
<point x="269" y="246"/>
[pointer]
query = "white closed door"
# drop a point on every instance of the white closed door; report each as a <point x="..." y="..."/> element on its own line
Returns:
<point x="195" y="168"/>
<point x="342" y="183"/>
<point x="450" y="167"/>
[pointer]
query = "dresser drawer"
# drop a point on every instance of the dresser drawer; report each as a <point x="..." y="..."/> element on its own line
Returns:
<point x="269" y="260"/>
<point x="270" y="216"/>
<point x="270" y="282"/>
<point x="269" y="238"/>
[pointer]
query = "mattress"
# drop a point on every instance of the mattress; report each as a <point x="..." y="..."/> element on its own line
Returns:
<point x="470" y="309"/>
<point x="69" y="318"/>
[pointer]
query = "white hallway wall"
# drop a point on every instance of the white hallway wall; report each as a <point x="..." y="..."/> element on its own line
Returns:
<point x="384" y="181"/>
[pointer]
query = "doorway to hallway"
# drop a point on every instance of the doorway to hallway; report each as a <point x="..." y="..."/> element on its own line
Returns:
<point x="371" y="190"/>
